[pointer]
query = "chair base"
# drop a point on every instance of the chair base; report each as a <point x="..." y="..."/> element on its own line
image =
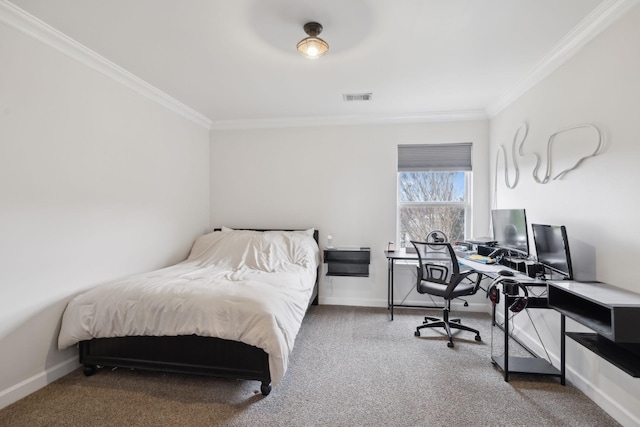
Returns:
<point x="447" y="324"/>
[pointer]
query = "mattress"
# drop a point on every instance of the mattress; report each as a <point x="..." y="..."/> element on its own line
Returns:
<point x="240" y="285"/>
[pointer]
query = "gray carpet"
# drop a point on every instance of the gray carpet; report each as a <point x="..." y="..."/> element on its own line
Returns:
<point x="351" y="366"/>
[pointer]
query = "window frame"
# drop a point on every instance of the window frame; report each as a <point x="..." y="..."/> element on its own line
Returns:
<point x="466" y="204"/>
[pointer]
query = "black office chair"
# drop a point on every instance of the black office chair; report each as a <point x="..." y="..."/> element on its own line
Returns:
<point x="439" y="275"/>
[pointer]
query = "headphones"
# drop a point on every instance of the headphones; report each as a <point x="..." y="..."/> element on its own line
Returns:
<point x="519" y="304"/>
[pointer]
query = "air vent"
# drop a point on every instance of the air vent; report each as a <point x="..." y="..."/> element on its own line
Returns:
<point x="350" y="97"/>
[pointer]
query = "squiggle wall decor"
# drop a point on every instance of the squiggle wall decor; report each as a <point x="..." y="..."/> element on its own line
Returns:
<point x="522" y="130"/>
<point x="521" y="135"/>
<point x="547" y="174"/>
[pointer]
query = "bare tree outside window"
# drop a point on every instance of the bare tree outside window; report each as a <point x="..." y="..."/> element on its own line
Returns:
<point x="431" y="201"/>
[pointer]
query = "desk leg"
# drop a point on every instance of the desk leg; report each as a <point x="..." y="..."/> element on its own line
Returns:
<point x="391" y="288"/>
<point x="388" y="283"/>
<point x="493" y="315"/>
<point x="506" y="339"/>
<point x="562" y="355"/>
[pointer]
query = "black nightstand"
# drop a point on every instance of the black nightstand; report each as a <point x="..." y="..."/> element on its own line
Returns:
<point x="347" y="261"/>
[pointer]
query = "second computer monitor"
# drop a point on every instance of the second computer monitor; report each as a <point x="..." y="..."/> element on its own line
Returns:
<point x="552" y="248"/>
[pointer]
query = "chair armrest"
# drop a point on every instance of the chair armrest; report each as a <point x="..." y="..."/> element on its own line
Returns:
<point x="451" y="287"/>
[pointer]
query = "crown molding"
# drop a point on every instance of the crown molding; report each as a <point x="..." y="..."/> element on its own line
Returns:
<point x="592" y="25"/>
<point x="22" y="21"/>
<point x="434" y="116"/>
<point x="598" y="20"/>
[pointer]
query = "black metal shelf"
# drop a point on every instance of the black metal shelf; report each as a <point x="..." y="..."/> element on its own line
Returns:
<point x="526" y="365"/>
<point x="624" y="356"/>
<point x="613" y="313"/>
<point x="352" y="262"/>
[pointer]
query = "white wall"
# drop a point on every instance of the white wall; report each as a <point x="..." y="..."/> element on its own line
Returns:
<point x="598" y="202"/>
<point x="96" y="182"/>
<point x="340" y="180"/>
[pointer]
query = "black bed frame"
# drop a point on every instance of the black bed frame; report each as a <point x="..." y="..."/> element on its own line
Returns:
<point x="190" y="354"/>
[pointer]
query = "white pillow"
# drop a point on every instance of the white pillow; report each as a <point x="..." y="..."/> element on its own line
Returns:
<point x="266" y="251"/>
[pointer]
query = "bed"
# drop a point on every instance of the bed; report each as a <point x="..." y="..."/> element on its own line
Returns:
<point x="232" y="309"/>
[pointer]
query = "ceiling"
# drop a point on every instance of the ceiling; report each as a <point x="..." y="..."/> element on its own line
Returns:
<point x="235" y="61"/>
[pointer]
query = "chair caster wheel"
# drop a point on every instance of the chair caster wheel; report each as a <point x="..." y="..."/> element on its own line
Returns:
<point x="449" y="344"/>
<point x="416" y="333"/>
<point x="478" y="338"/>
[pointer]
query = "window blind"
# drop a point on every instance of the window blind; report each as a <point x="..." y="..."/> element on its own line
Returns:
<point x="434" y="157"/>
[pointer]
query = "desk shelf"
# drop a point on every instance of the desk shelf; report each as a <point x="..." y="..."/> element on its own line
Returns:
<point x="624" y="356"/>
<point x="526" y="365"/>
<point x="613" y="313"/>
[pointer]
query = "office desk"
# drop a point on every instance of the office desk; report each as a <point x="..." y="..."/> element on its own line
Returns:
<point x="392" y="258"/>
<point x="508" y="364"/>
<point x="489" y="270"/>
<point x="516" y="364"/>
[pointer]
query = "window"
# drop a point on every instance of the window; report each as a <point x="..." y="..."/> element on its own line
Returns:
<point x="433" y="191"/>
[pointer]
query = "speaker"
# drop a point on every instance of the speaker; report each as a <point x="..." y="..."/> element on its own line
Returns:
<point x="534" y="269"/>
<point x="520" y="265"/>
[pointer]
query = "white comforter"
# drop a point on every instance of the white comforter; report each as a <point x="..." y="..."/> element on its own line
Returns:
<point x="239" y="285"/>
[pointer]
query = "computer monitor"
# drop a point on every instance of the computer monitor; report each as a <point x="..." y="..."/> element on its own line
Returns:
<point x="510" y="230"/>
<point x="552" y="248"/>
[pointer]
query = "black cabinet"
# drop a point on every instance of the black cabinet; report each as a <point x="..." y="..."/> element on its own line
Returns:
<point x="347" y="261"/>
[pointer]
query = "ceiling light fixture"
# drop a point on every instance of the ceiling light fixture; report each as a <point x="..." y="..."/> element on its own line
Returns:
<point x="312" y="47"/>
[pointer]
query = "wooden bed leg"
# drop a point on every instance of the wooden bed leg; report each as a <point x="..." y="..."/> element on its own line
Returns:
<point x="89" y="370"/>
<point x="265" y="388"/>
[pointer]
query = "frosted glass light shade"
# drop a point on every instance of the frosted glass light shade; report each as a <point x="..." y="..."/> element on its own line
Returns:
<point x="312" y="47"/>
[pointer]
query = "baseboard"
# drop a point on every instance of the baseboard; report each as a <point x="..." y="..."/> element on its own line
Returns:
<point x="355" y="302"/>
<point x="36" y="382"/>
<point x="610" y="406"/>
<point x="359" y="302"/>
